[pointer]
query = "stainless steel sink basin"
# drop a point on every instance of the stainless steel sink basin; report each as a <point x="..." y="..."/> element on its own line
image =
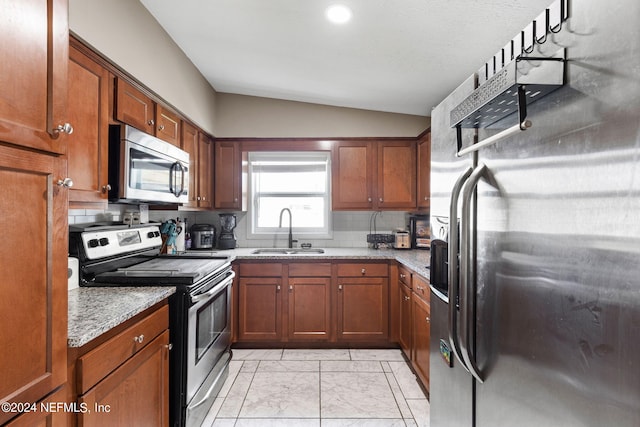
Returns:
<point x="288" y="251"/>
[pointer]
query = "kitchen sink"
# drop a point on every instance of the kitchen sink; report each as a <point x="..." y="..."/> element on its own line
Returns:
<point x="288" y="251"/>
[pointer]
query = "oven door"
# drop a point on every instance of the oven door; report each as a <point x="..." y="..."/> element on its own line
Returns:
<point x="209" y="340"/>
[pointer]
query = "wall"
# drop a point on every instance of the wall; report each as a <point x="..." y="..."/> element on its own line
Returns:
<point x="350" y="229"/>
<point x="124" y="32"/>
<point x="248" y="116"/>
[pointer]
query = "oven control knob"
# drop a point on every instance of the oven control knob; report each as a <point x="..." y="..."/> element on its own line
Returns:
<point x="156" y="233"/>
<point x="104" y="241"/>
<point x="93" y="243"/>
<point x="151" y="234"/>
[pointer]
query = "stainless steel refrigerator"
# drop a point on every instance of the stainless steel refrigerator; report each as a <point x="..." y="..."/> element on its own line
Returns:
<point x="535" y="209"/>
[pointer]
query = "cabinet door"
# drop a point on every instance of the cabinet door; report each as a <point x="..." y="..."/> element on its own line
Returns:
<point x="309" y="308"/>
<point x="190" y="145"/>
<point x="134" y="107"/>
<point x="396" y="175"/>
<point x="89" y="143"/>
<point x="421" y="335"/>
<point x="363" y="308"/>
<point x="33" y="80"/>
<point x="136" y="394"/>
<point x="424" y="171"/>
<point x="353" y="183"/>
<point x="33" y="295"/>
<point x="260" y="309"/>
<point x="205" y="174"/>
<point x="404" y="336"/>
<point x="227" y="185"/>
<point x="167" y="125"/>
<point x="48" y="413"/>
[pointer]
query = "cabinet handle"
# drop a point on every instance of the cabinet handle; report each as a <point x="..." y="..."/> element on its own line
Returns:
<point x="363" y="271"/>
<point x="65" y="128"/>
<point x="169" y="346"/>
<point x="381" y="200"/>
<point x="106" y="188"/>
<point x="290" y="288"/>
<point x="161" y="127"/>
<point x="403" y="276"/>
<point x="139" y="339"/>
<point x="278" y="288"/>
<point x="151" y="122"/>
<point x="420" y="288"/>
<point x="406" y="298"/>
<point x="339" y="287"/>
<point x="66" y="183"/>
<point x="369" y="199"/>
<point x="428" y="319"/>
<point x="204" y="198"/>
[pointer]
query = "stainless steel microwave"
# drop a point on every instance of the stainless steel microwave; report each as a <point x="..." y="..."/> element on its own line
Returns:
<point x="145" y="169"/>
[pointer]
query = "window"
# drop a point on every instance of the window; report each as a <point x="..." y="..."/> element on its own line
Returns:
<point x="299" y="181"/>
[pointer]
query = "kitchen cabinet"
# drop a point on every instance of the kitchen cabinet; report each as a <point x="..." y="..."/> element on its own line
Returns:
<point x="227" y="189"/>
<point x="309" y="301"/>
<point x="200" y="150"/>
<point x="260" y="302"/>
<point x="124" y="375"/>
<point x="167" y="125"/>
<point x="88" y="145"/>
<point x="424" y="171"/>
<point x="404" y="312"/>
<point x="363" y="302"/>
<point x="48" y="413"/>
<point x="421" y="326"/>
<point x="33" y="81"/>
<point x="374" y="175"/>
<point x="33" y="296"/>
<point x="135" y="108"/>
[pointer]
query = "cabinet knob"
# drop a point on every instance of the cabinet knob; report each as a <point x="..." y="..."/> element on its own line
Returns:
<point x="161" y="127"/>
<point x="406" y="298"/>
<point x="403" y="276"/>
<point x="66" y="183"/>
<point x="204" y="198"/>
<point x="381" y="200"/>
<point x="198" y="198"/>
<point x="106" y="188"/>
<point x="235" y="200"/>
<point x="369" y="199"/>
<point x="65" y="128"/>
<point x="169" y="346"/>
<point x="278" y="288"/>
<point x="290" y="288"/>
<point x="363" y="271"/>
<point x="139" y="339"/>
<point x="151" y="122"/>
<point x="339" y="287"/>
<point x="428" y="319"/>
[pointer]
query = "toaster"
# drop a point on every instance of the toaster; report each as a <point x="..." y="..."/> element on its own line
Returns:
<point x="401" y="240"/>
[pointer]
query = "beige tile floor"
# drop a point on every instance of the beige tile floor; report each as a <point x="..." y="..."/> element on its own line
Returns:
<point x="371" y="388"/>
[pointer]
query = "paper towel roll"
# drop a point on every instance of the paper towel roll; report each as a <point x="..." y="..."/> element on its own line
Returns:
<point x="180" y="239"/>
<point x="73" y="268"/>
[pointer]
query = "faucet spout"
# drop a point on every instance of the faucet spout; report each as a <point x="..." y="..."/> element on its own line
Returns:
<point x="290" y="225"/>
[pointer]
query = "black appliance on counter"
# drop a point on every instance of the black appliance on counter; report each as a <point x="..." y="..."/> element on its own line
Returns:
<point x="199" y="311"/>
<point x="420" y="230"/>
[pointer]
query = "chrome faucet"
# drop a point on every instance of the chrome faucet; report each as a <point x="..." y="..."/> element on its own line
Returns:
<point x="290" y="225"/>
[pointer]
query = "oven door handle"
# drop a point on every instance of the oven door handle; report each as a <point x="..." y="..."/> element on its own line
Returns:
<point x="215" y="289"/>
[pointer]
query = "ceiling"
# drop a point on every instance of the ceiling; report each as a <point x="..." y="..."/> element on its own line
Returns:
<point x="394" y="56"/>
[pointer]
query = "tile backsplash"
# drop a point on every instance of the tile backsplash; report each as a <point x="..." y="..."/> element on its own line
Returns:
<point x="350" y="229"/>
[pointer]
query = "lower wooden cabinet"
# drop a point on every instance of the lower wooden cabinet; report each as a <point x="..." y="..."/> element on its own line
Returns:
<point x="49" y="412"/>
<point x="421" y="326"/>
<point x="122" y="378"/>
<point x="405" y="323"/>
<point x="313" y="302"/>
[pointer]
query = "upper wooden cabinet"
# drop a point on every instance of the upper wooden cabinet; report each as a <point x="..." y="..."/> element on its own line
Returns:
<point x="33" y="80"/>
<point x="88" y="144"/>
<point x="227" y="189"/>
<point x="167" y="125"/>
<point x="33" y="295"/>
<point x="424" y="171"/>
<point x="376" y="175"/>
<point x="200" y="149"/>
<point x="135" y="108"/>
<point x="353" y="169"/>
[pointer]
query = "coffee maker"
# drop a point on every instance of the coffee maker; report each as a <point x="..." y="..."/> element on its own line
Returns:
<point x="227" y="239"/>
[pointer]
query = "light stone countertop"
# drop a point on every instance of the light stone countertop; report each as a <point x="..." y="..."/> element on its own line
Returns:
<point x="95" y="310"/>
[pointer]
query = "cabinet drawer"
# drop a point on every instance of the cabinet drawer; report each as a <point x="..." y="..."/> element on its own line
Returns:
<point x="404" y="276"/>
<point x="261" y="270"/>
<point x="308" y="269"/>
<point x="102" y="360"/>
<point x="421" y="288"/>
<point x="363" y="270"/>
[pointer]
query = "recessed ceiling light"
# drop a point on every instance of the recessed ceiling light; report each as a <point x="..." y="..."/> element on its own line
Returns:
<point x="338" y="14"/>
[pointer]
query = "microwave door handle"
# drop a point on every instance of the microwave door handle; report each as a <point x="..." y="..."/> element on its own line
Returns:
<point x="172" y="173"/>
<point x="182" y="175"/>
<point x="452" y="257"/>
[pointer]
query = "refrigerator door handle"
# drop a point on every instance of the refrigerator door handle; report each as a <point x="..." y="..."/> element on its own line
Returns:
<point x="453" y="266"/>
<point x="467" y="284"/>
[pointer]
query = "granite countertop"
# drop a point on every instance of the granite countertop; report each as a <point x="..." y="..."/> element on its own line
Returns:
<point x="95" y="310"/>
